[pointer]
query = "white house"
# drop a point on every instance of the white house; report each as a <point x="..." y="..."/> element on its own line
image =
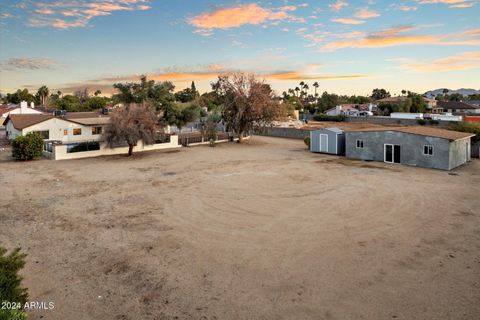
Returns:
<point x="23" y="108"/>
<point x="77" y="127"/>
<point x="75" y="135"/>
<point x="351" y="109"/>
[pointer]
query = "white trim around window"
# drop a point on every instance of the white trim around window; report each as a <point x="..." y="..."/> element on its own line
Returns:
<point x="359" y="144"/>
<point x="428" y="150"/>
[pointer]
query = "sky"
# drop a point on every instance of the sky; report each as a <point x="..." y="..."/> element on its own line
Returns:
<point x="348" y="47"/>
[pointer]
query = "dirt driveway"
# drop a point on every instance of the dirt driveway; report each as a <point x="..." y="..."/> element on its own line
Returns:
<point x="264" y="230"/>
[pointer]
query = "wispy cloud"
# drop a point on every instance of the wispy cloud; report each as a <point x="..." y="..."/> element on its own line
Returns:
<point x="298" y="75"/>
<point x="28" y="64"/>
<point x="462" y="5"/>
<point x="440" y="1"/>
<point x="403" y="7"/>
<point x="366" y="14"/>
<point x="339" y="5"/>
<point x="462" y="61"/>
<point x="239" y="15"/>
<point x="348" y="21"/>
<point x="402" y="36"/>
<point x="454" y="4"/>
<point x="66" y="14"/>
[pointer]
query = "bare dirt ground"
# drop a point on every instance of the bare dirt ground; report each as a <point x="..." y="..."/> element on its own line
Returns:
<point x="264" y="230"/>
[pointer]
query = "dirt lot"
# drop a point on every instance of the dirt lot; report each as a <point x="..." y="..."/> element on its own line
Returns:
<point x="264" y="230"/>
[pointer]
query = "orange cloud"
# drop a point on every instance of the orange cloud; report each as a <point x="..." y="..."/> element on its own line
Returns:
<point x="366" y="14"/>
<point x="348" y="21"/>
<point x="395" y="37"/>
<point x="339" y="5"/>
<point x="297" y="76"/>
<point x="226" y="18"/>
<point x="441" y="1"/>
<point x="462" y="61"/>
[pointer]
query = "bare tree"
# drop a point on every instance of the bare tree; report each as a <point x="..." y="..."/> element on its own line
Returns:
<point x="248" y="102"/>
<point x="131" y="124"/>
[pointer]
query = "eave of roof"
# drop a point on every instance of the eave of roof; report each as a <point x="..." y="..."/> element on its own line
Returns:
<point x="421" y="131"/>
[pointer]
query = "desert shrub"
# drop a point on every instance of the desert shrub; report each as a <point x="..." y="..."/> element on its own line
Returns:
<point x="469" y="127"/>
<point x="324" y="117"/>
<point x="27" y="147"/>
<point x="11" y="289"/>
<point x="433" y="122"/>
<point x="307" y="141"/>
<point x="421" y="122"/>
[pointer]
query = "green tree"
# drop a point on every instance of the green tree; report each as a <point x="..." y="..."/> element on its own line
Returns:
<point x="19" y="96"/>
<point x="378" y="94"/>
<point x="187" y="94"/>
<point x="475" y="96"/>
<point x="42" y="95"/>
<point x="95" y="103"/>
<point x="316" y="85"/>
<point x="10" y="281"/>
<point x="27" y="147"/>
<point x="456" y="97"/>
<point x="327" y="101"/>
<point x="209" y="127"/>
<point x="69" y="103"/>
<point x="186" y="115"/>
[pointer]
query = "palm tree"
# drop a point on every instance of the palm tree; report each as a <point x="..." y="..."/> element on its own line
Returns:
<point x="316" y="85"/>
<point x="43" y="93"/>
<point x="306" y="87"/>
<point x="297" y="89"/>
<point x="404" y="92"/>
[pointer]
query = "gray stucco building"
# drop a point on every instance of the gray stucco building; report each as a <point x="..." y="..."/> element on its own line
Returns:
<point x="327" y="140"/>
<point x="417" y="146"/>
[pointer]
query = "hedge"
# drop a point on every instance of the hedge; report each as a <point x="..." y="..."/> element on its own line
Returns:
<point x="324" y="117"/>
<point x="27" y="147"/>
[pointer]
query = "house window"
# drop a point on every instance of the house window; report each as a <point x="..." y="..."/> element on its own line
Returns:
<point x="44" y="133"/>
<point x="65" y="132"/>
<point x="428" y="150"/>
<point x="96" y="130"/>
<point x="360" y="144"/>
<point x="77" y="131"/>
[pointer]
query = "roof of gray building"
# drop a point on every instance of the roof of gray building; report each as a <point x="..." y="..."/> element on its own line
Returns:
<point x="422" y="131"/>
<point x="333" y="129"/>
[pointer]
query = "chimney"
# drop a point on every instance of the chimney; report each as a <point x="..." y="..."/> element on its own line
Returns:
<point x="32" y="105"/>
<point x="338" y="110"/>
<point x="23" y="107"/>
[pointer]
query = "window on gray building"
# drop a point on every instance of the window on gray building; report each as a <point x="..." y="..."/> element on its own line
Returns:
<point x="360" y="144"/>
<point x="428" y="150"/>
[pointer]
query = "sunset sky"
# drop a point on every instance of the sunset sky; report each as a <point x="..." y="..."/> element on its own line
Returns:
<point x="349" y="47"/>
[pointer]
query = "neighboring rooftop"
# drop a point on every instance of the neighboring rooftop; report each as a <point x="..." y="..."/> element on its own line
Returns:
<point x="456" y="105"/>
<point x="421" y="131"/>
<point x="87" y="118"/>
<point x="402" y="99"/>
